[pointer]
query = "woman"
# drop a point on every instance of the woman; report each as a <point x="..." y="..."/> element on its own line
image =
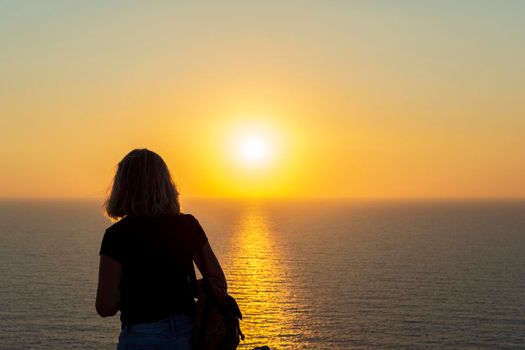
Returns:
<point x="146" y="256"/>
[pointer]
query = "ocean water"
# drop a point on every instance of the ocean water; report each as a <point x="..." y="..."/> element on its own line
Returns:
<point x="313" y="274"/>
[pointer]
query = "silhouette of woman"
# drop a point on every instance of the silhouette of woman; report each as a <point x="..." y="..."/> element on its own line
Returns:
<point x="146" y="255"/>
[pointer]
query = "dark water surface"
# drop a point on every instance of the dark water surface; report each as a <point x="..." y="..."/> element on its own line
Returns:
<point x="320" y="274"/>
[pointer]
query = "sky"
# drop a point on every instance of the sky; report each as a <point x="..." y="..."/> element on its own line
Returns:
<point x="265" y="98"/>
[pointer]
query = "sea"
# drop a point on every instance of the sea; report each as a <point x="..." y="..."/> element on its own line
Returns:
<point x="307" y="273"/>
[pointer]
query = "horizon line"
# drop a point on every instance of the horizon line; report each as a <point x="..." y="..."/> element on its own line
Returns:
<point x="287" y="198"/>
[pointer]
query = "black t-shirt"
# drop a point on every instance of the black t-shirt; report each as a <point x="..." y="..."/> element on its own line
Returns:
<point x="156" y="254"/>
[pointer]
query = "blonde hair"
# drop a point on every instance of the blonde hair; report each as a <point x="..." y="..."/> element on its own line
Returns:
<point x="142" y="186"/>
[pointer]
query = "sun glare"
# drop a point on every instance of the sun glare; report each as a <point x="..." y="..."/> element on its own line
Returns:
<point x="253" y="144"/>
<point x="254" y="149"/>
<point x="253" y="156"/>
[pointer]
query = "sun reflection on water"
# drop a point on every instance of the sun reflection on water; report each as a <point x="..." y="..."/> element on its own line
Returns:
<point x="257" y="279"/>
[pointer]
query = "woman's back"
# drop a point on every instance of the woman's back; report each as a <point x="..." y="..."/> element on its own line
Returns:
<point x="146" y="257"/>
<point x="156" y="254"/>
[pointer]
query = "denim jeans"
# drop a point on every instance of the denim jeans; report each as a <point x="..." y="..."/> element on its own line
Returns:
<point x="173" y="333"/>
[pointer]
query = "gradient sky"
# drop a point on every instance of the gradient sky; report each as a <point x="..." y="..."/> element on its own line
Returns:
<point x="369" y="98"/>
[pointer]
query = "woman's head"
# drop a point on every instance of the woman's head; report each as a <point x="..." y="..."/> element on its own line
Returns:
<point x="142" y="187"/>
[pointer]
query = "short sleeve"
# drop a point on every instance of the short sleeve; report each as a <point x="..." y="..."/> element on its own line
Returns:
<point x="200" y="237"/>
<point x="110" y="246"/>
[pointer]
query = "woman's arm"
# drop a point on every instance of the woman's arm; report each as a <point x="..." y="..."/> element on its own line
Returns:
<point x="109" y="274"/>
<point x="210" y="267"/>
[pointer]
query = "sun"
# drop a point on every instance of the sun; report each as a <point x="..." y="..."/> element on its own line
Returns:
<point x="252" y="156"/>
<point x="253" y="145"/>
<point x="253" y="149"/>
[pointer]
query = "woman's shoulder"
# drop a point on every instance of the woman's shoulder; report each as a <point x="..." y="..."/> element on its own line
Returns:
<point x="197" y="232"/>
<point x="131" y="223"/>
<point x="191" y="219"/>
<point x="187" y="216"/>
<point x="120" y="225"/>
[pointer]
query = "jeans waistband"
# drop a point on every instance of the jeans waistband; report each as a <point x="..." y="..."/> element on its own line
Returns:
<point x="171" y="323"/>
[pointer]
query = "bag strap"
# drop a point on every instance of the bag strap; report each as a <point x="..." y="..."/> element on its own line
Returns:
<point x="191" y="269"/>
<point x="192" y="278"/>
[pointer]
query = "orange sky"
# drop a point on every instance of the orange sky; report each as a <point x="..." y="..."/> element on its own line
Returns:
<point x="376" y="100"/>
